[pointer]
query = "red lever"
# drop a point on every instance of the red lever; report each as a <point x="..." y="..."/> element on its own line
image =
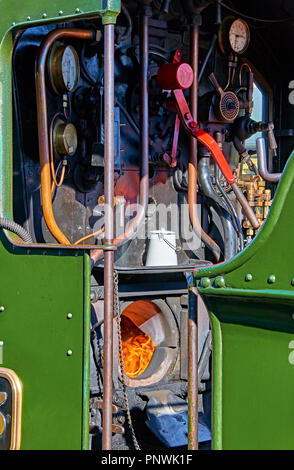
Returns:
<point x="192" y="128"/>
<point x="171" y="159"/>
<point x="177" y="77"/>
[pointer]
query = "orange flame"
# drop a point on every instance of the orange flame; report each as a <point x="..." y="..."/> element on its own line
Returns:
<point x="137" y="348"/>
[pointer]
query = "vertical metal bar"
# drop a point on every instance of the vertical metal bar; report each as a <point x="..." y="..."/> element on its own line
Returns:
<point x="144" y="110"/>
<point x="192" y="320"/>
<point x="109" y="219"/>
<point x="144" y="140"/>
<point x="192" y="164"/>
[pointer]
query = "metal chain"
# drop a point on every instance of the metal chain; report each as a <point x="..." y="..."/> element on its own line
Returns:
<point x="117" y="314"/>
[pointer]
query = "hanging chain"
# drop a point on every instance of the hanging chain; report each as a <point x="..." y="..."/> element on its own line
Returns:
<point x="117" y="314"/>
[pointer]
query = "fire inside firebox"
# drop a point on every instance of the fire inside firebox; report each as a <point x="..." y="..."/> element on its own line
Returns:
<point x="137" y="348"/>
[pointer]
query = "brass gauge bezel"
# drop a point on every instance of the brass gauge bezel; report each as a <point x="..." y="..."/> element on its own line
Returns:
<point x="65" y="138"/>
<point x="54" y="68"/>
<point x="224" y="35"/>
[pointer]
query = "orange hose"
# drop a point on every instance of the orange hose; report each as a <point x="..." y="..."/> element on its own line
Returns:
<point x="89" y="236"/>
<point x="53" y="172"/>
<point x="46" y="186"/>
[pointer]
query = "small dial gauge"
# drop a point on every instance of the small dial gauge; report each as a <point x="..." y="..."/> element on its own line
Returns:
<point x="233" y="35"/>
<point x="64" y="138"/>
<point x="64" y="69"/>
<point x="239" y="36"/>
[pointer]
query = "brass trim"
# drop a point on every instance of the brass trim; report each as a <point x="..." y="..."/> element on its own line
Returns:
<point x="16" y="387"/>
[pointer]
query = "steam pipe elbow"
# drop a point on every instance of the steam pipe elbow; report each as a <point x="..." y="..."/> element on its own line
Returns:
<point x="262" y="164"/>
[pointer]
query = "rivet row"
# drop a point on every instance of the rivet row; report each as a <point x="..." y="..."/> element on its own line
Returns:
<point x="44" y="15"/>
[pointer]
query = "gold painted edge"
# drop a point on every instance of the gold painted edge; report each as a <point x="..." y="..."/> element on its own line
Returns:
<point x="16" y="386"/>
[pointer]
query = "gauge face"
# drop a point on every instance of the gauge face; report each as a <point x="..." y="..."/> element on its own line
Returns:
<point x="239" y="36"/>
<point x="69" y="68"/>
<point x="63" y="68"/>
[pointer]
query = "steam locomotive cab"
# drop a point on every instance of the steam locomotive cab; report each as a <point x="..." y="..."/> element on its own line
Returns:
<point x="154" y="146"/>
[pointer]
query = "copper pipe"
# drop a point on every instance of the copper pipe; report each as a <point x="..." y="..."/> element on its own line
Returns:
<point x="144" y="145"/>
<point x="192" y="165"/>
<point x="245" y="205"/>
<point x="192" y="197"/>
<point x="51" y="159"/>
<point x="43" y="126"/>
<point x="108" y="229"/>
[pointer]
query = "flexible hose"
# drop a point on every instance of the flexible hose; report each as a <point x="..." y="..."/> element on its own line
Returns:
<point x="15" y="228"/>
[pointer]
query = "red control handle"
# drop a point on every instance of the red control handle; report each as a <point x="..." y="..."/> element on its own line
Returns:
<point x="193" y="129"/>
<point x="217" y="154"/>
<point x="177" y="77"/>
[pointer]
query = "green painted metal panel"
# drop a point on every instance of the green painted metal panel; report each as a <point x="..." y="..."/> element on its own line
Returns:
<point x="257" y="388"/>
<point x="250" y="300"/>
<point x="23" y="13"/>
<point x="38" y="291"/>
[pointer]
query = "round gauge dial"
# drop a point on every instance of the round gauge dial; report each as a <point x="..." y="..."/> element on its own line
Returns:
<point x="65" y="139"/>
<point x="239" y="36"/>
<point x="233" y="35"/>
<point x="64" y="68"/>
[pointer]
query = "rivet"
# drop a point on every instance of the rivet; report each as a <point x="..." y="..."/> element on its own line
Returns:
<point x="69" y="352"/>
<point x="271" y="279"/>
<point x="44" y="15"/>
<point x="28" y="18"/>
<point x="77" y="10"/>
<point x="248" y="277"/>
<point x="2" y="308"/>
<point x="219" y="281"/>
<point x="60" y="12"/>
<point x="69" y="316"/>
<point x="205" y="282"/>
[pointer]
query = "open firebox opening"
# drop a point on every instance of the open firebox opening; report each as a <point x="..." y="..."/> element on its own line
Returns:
<point x="142" y="332"/>
<point x="137" y="348"/>
<point x="150" y="341"/>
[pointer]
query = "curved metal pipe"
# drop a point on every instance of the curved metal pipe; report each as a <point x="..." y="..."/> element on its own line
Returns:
<point x="230" y="248"/>
<point x="144" y="146"/>
<point x="207" y="57"/>
<point x="262" y="163"/>
<point x="231" y="208"/>
<point x="43" y="126"/>
<point x="192" y="165"/>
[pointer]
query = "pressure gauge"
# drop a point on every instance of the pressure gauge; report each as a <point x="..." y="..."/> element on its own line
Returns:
<point x="239" y="36"/>
<point x="64" y="138"/>
<point x="234" y="35"/>
<point x="64" y="68"/>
